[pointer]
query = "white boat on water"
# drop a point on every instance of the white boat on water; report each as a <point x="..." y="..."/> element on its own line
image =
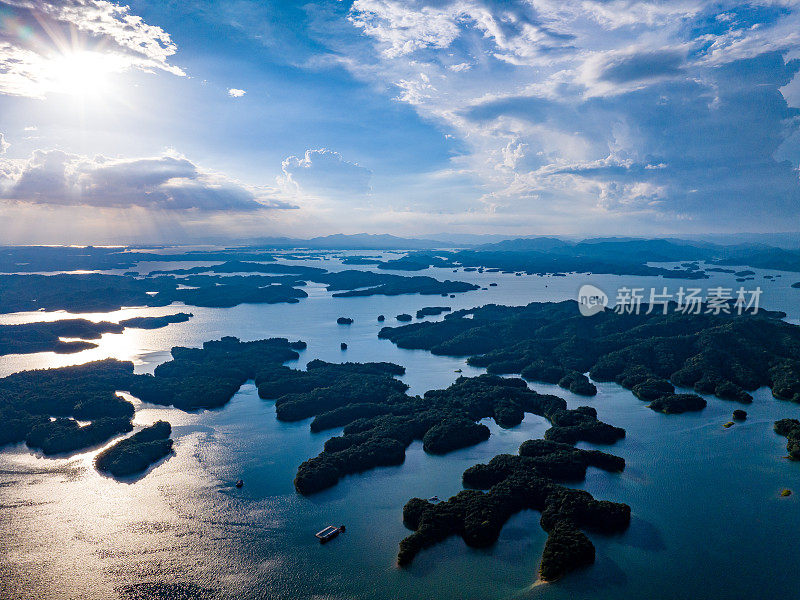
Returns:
<point x="329" y="533"/>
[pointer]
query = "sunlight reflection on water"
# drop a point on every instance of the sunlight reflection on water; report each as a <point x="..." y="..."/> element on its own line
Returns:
<point x="67" y="531"/>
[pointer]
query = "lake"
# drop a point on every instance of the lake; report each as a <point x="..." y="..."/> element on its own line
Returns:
<point x="707" y="522"/>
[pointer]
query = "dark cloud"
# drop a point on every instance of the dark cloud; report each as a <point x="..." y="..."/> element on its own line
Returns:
<point x="166" y="182"/>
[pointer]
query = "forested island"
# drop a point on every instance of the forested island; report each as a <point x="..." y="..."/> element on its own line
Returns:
<point x="726" y="354"/>
<point x="378" y="427"/>
<point x="208" y="377"/>
<point x="432" y="311"/>
<point x="204" y="286"/>
<point x="790" y="429"/>
<point x="42" y="408"/>
<point x="380" y="421"/>
<point x="136" y="453"/>
<point x="45" y="336"/>
<point x="513" y="483"/>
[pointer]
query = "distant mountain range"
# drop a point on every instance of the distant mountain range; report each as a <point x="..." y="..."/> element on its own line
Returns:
<point x="358" y="241"/>
<point x="665" y="245"/>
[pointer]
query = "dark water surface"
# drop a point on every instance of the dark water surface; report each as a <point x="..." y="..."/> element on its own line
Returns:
<point x="708" y="521"/>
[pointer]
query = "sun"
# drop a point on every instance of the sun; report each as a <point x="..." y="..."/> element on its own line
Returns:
<point x="83" y="73"/>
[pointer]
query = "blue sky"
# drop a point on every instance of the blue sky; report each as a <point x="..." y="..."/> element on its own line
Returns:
<point x="185" y="120"/>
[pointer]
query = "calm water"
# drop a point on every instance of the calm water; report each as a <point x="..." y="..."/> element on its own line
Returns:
<point x="707" y="518"/>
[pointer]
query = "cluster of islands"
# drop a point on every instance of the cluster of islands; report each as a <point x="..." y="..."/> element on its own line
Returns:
<point x="380" y="420"/>
<point x="724" y="354"/>
<point x="645" y="353"/>
<point x="669" y="360"/>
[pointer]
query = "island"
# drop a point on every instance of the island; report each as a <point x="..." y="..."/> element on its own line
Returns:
<point x="513" y="483"/>
<point x="46" y="336"/>
<point x="42" y="408"/>
<point x="349" y="284"/>
<point x="208" y="377"/>
<point x="404" y="317"/>
<point x="790" y="429"/>
<point x="432" y="311"/>
<point x="344" y="321"/>
<point x="379" y="420"/>
<point x="136" y="453"/>
<point x="380" y="424"/>
<point x="675" y="404"/>
<point x="725" y="354"/>
<point x="214" y="286"/>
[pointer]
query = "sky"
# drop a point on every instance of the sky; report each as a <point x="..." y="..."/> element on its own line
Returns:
<point x="200" y="120"/>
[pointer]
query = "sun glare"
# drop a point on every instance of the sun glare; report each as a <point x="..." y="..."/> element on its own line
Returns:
<point x="83" y="73"/>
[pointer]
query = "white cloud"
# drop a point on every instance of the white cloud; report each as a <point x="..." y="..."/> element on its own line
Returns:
<point x="46" y="31"/>
<point x="4" y="145"/>
<point x="236" y="93"/>
<point x="166" y="182"/>
<point x="324" y="174"/>
<point x="599" y="107"/>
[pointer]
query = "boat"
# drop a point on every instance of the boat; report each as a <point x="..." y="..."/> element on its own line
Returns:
<point x="239" y="483"/>
<point x="330" y="532"/>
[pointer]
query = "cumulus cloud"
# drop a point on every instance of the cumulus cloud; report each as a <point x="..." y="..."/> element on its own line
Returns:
<point x="236" y="93"/>
<point x="36" y="34"/>
<point x="325" y="173"/>
<point x="603" y="108"/>
<point x="167" y="182"/>
<point x="4" y="145"/>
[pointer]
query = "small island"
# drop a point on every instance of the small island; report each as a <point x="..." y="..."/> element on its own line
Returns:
<point x="432" y="311"/>
<point x="344" y="321"/>
<point x="136" y="453"/>
<point x="675" y="404"/>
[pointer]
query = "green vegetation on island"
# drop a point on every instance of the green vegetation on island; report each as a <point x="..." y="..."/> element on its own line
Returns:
<point x="212" y="287"/>
<point x="675" y="404"/>
<point x="42" y="408"/>
<point x="513" y="483"/>
<point x="208" y="377"/>
<point x="790" y="429"/>
<point x="378" y="427"/>
<point x="136" y="453"/>
<point x="348" y="284"/>
<point x="722" y="354"/>
<point x="432" y="311"/>
<point x="45" y="336"/>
